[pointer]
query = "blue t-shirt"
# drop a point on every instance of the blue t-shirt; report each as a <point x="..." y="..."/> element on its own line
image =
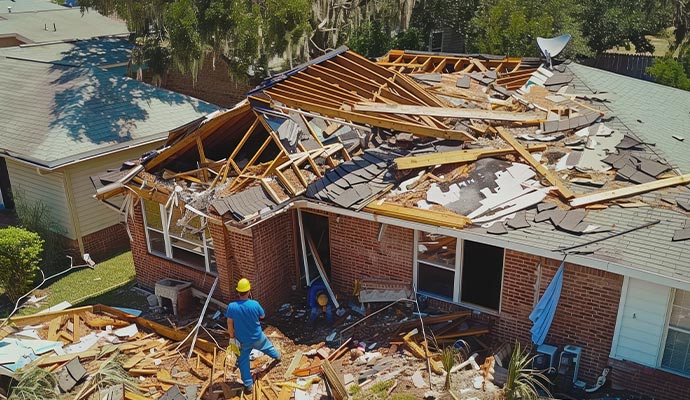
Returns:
<point x="245" y="315"/>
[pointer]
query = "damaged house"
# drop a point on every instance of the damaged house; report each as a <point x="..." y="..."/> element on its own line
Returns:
<point x="468" y="178"/>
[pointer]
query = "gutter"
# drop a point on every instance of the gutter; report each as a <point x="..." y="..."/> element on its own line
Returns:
<point x="602" y="265"/>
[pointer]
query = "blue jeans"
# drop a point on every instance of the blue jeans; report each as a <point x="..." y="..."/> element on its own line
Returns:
<point x="265" y="346"/>
<point x="315" y="311"/>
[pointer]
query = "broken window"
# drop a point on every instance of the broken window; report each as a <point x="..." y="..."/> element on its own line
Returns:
<point x="189" y="244"/>
<point x="463" y="272"/>
<point x="482" y="273"/>
<point x="677" y="349"/>
<point x="436" y="264"/>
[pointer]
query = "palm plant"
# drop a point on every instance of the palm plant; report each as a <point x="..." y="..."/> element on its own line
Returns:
<point x="110" y="373"/>
<point x="523" y="382"/>
<point x="448" y="359"/>
<point x="35" y="384"/>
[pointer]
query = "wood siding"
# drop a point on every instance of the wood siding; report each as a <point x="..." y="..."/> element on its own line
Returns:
<point x="642" y="323"/>
<point x="92" y="215"/>
<point x="49" y="189"/>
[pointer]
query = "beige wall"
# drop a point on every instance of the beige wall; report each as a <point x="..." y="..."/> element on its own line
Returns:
<point x="47" y="188"/>
<point x="92" y="215"/>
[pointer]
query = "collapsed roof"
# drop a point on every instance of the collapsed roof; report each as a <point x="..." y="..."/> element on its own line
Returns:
<point x="494" y="145"/>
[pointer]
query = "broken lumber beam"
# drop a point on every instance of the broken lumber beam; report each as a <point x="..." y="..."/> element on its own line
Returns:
<point x="41" y="318"/>
<point x="366" y="119"/>
<point x="459" y="156"/>
<point x="549" y="175"/>
<point x="629" y="191"/>
<point x="334" y="380"/>
<point x="448" y="112"/>
<point x="433" y="217"/>
<point x="421" y="353"/>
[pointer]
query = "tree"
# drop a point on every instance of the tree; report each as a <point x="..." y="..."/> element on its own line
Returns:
<point x="611" y="23"/>
<point x="668" y="71"/>
<point x="430" y="15"/>
<point x="247" y="34"/>
<point x="20" y="255"/>
<point x="510" y="27"/>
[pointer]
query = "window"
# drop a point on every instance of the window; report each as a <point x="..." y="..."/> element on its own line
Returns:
<point x="677" y="350"/>
<point x="436" y="41"/>
<point x="460" y="271"/>
<point x="191" y="245"/>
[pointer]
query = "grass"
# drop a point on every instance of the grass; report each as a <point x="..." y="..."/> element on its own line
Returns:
<point x="107" y="283"/>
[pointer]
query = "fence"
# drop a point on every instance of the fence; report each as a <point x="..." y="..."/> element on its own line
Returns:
<point x="625" y="64"/>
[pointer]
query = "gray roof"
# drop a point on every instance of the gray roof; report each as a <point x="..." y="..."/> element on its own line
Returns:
<point x="69" y="24"/>
<point x="97" y="52"/>
<point x="53" y="114"/>
<point x="654" y="112"/>
<point x="664" y="111"/>
<point x="28" y="5"/>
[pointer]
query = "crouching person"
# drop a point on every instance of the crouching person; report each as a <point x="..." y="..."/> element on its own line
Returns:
<point x="319" y="301"/>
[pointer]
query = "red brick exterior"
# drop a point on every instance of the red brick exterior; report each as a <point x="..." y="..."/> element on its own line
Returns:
<point x="267" y="255"/>
<point x="151" y="268"/>
<point x="107" y="242"/>
<point x="586" y="314"/>
<point x="356" y="252"/>
<point x="655" y="383"/>
<point x="213" y="85"/>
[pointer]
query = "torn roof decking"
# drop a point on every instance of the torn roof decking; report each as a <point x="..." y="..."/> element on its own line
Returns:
<point x="415" y="62"/>
<point x="333" y="86"/>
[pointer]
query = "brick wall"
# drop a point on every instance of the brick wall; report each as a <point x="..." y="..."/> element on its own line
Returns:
<point x="356" y="252"/>
<point x="212" y="85"/>
<point x="586" y="313"/>
<point x="107" y="242"/>
<point x="657" y="384"/>
<point x="275" y="270"/>
<point x="151" y="268"/>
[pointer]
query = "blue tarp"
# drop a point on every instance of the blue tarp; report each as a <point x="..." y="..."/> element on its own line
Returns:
<point x="543" y="313"/>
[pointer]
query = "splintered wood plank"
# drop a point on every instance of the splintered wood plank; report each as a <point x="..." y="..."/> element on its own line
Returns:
<point x="439" y="218"/>
<point x="286" y="393"/>
<point x="53" y="328"/>
<point x="549" y="175"/>
<point x="133" y="361"/>
<point x="449" y="112"/>
<point x="76" y="334"/>
<point x="460" y="156"/>
<point x="629" y="191"/>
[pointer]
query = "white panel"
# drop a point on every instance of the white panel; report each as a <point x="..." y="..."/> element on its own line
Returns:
<point x="49" y="189"/>
<point x="643" y="322"/>
<point x="93" y="215"/>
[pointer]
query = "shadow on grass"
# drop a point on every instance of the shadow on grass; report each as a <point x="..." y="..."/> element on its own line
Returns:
<point x="123" y="296"/>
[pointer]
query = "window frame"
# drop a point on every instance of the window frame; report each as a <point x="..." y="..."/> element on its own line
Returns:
<point x="168" y="241"/>
<point x="457" y="279"/>
<point x="667" y="329"/>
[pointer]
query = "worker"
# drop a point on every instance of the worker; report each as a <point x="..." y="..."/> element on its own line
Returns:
<point x="244" y="329"/>
<point x="319" y="301"/>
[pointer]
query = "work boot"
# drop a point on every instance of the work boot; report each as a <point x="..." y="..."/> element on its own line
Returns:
<point x="248" y="389"/>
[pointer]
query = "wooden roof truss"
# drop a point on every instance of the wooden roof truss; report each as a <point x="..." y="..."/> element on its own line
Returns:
<point x="332" y="88"/>
<point x="407" y="63"/>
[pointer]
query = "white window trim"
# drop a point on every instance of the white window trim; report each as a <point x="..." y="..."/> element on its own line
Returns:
<point x="457" y="285"/>
<point x="667" y="327"/>
<point x="165" y="220"/>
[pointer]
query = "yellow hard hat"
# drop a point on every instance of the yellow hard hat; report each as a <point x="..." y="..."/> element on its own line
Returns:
<point x="243" y="285"/>
<point x="322" y="299"/>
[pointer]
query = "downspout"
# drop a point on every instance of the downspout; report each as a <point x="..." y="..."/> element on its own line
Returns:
<point x="73" y="209"/>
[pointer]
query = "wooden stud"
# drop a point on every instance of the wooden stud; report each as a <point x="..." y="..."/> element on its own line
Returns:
<point x="629" y="191"/>
<point x="449" y="112"/>
<point x="459" y="156"/>
<point x="431" y="217"/>
<point x="553" y="180"/>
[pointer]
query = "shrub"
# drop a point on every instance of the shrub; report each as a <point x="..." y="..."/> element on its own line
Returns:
<point x="20" y="255"/>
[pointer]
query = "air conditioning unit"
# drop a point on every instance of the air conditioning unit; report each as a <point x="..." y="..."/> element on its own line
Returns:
<point x="546" y="358"/>
<point x="569" y="363"/>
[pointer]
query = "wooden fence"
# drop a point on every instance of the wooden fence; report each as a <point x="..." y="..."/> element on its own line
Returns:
<point x="625" y="64"/>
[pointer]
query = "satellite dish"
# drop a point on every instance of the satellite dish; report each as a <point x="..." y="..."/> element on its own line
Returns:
<point x="551" y="47"/>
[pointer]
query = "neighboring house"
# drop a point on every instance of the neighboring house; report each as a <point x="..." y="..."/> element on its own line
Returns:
<point x="305" y="179"/>
<point x="37" y="21"/>
<point x="60" y="124"/>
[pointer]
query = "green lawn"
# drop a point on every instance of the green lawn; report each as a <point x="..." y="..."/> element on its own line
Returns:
<point x="107" y="283"/>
